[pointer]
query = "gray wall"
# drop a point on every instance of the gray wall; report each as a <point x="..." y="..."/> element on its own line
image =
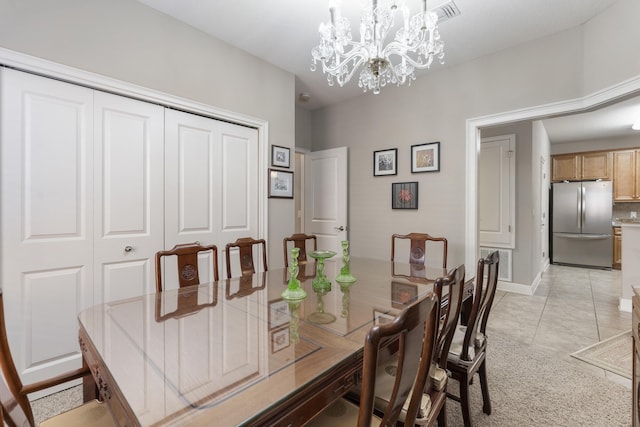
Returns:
<point x="435" y="108"/>
<point x="126" y="40"/>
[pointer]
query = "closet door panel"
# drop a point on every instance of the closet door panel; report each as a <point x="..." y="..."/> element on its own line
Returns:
<point x="129" y="195"/>
<point x="192" y="165"/>
<point x="46" y="211"/>
<point x="238" y="188"/>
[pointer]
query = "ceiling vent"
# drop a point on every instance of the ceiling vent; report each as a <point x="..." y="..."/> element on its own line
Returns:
<point x="447" y="11"/>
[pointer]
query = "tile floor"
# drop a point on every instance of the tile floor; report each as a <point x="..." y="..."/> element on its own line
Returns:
<point x="572" y="308"/>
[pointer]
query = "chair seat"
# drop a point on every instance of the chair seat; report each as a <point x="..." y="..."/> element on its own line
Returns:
<point x="385" y="378"/>
<point x="456" y="344"/>
<point x="93" y="413"/>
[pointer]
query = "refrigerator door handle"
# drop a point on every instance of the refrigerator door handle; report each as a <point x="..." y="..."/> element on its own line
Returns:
<point x="584" y="205"/>
<point x="579" y="209"/>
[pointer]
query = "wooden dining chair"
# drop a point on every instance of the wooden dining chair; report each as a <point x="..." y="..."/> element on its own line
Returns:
<point x="435" y="391"/>
<point x="14" y="400"/>
<point x="300" y="241"/>
<point x="415" y="329"/>
<point x="468" y="351"/>
<point x="187" y="258"/>
<point x="418" y="246"/>
<point x="245" y="247"/>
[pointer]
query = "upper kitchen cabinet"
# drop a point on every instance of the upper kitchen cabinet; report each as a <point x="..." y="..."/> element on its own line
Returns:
<point x="626" y="176"/>
<point x="581" y="166"/>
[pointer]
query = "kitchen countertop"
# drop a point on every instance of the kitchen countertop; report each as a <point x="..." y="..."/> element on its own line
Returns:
<point x="618" y="222"/>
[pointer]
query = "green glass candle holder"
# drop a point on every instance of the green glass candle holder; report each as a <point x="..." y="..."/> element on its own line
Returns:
<point x="321" y="281"/>
<point x="294" y="291"/>
<point x="345" y="275"/>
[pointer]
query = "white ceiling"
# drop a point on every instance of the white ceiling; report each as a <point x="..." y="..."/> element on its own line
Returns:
<point x="283" y="32"/>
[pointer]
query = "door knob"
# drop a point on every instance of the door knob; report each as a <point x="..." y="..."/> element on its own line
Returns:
<point x="341" y="228"/>
<point x="128" y="248"/>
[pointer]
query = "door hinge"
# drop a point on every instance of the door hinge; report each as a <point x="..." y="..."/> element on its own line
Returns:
<point x="509" y="228"/>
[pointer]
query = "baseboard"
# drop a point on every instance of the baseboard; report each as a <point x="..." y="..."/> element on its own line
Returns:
<point x="516" y="288"/>
<point x="625" y="305"/>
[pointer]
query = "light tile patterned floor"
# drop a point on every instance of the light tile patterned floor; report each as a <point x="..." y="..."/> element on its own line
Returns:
<point x="572" y="308"/>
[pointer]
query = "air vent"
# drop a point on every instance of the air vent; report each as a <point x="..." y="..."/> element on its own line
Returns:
<point x="447" y="11"/>
<point x="505" y="266"/>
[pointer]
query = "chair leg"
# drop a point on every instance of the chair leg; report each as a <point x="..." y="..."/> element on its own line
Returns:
<point x="464" y="400"/>
<point x="486" y="407"/>
<point x="442" y="416"/>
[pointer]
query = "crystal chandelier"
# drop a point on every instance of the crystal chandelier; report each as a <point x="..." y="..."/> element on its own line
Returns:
<point x="383" y="61"/>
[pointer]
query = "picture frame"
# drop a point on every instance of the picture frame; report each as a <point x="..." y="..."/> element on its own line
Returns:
<point x="280" y="156"/>
<point x="385" y="162"/>
<point x="280" y="339"/>
<point x="380" y="317"/>
<point x="280" y="184"/>
<point x="404" y="195"/>
<point x="425" y="157"/>
<point x="278" y="313"/>
<point x="403" y="294"/>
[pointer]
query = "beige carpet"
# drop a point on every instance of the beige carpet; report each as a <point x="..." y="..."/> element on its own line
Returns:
<point x="614" y="354"/>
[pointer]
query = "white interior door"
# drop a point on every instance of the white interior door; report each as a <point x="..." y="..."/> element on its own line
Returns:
<point x="47" y="219"/>
<point x="129" y="195"/>
<point x="211" y="186"/>
<point x="326" y="197"/>
<point x="496" y="191"/>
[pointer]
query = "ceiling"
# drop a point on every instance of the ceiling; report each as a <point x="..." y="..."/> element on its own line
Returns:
<point x="283" y="32"/>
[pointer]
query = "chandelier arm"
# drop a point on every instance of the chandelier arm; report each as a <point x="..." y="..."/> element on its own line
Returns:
<point x="357" y="55"/>
<point x="418" y="65"/>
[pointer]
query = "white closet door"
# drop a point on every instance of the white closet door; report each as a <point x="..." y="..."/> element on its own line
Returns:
<point x="211" y="186"/>
<point x="47" y="219"/>
<point x="129" y="195"/>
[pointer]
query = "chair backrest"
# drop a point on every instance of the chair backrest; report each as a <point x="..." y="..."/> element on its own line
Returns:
<point x="416" y="328"/>
<point x="417" y="253"/>
<point x="454" y="282"/>
<point x="299" y="241"/>
<point x="15" y="404"/>
<point x="483" y="296"/>
<point x="187" y="257"/>
<point x="245" y="247"/>
<point x="183" y="303"/>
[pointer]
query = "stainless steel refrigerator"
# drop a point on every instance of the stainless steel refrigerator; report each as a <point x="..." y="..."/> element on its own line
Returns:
<point x="581" y="223"/>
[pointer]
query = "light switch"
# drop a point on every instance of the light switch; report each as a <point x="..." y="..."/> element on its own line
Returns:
<point x="634" y="214"/>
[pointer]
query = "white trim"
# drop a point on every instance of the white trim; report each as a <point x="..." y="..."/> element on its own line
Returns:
<point x="625" y="305"/>
<point x="31" y="64"/>
<point x="473" y="145"/>
<point x="516" y="288"/>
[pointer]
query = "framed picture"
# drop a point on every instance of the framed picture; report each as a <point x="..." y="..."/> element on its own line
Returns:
<point x="280" y="156"/>
<point x="280" y="339"/>
<point x="385" y="162"/>
<point x="278" y="313"/>
<point x="403" y="294"/>
<point x="280" y="184"/>
<point x="380" y="317"/>
<point x="425" y="157"/>
<point x="404" y="195"/>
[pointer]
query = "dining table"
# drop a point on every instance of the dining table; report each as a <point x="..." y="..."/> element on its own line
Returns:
<point x="235" y="352"/>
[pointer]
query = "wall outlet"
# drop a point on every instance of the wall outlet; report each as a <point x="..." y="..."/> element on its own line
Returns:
<point x="634" y="214"/>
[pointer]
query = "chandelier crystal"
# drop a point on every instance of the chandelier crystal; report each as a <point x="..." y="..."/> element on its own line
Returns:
<point x="382" y="60"/>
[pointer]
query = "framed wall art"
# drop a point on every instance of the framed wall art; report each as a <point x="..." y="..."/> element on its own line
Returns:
<point x="403" y="294"/>
<point x="278" y="313"/>
<point x="280" y="339"/>
<point x="425" y="157"/>
<point x="385" y="162"/>
<point x="280" y="156"/>
<point x="404" y="195"/>
<point x="280" y="184"/>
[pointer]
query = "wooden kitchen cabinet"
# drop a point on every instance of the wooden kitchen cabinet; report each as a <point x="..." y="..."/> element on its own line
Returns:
<point x="626" y="176"/>
<point x="617" y="248"/>
<point x="582" y="166"/>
